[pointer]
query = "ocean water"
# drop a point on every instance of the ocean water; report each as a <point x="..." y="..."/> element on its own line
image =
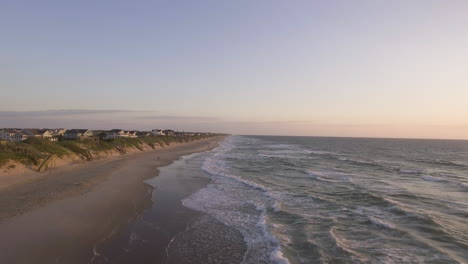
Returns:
<point x="340" y="200"/>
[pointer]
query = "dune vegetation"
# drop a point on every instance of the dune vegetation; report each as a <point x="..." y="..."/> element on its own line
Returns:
<point x="33" y="151"/>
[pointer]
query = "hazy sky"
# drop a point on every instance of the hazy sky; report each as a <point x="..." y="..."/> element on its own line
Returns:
<point x="331" y="68"/>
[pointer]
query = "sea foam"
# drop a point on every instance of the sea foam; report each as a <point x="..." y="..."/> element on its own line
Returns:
<point x="228" y="199"/>
<point x="432" y="178"/>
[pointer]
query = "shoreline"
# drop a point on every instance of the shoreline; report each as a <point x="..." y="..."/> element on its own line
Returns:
<point x="60" y="218"/>
<point x="168" y="231"/>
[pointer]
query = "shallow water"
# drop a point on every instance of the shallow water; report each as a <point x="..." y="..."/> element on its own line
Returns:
<point x="169" y="232"/>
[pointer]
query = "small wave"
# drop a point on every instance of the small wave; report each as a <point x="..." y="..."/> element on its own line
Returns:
<point x="281" y="146"/>
<point x="381" y="222"/>
<point x="360" y="162"/>
<point x="320" y="152"/>
<point x="406" y="171"/>
<point x="432" y="178"/>
<point x="399" y="207"/>
<point x="442" y="162"/>
<point x="212" y="168"/>
<point x="327" y="180"/>
<point x="284" y="152"/>
<point x="276" y="206"/>
<point x="329" y="176"/>
<point x="463" y="185"/>
<point x="276" y="255"/>
<point x="344" y="245"/>
<point x="273" y="156"/>
<point x="282" y="156"/>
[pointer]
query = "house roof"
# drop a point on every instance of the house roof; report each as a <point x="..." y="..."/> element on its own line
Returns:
<point x="31" y="132"/>
<point x="76" y="131"/>
<point x="9" y="130"/>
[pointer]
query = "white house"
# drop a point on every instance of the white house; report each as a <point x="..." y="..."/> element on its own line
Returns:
<point x="58" y="131"/>
<point x="157" y="132"/>
<point x="131" y="133"/>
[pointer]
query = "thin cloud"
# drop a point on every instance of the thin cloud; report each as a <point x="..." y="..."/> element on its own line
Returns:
<point x="180" y="118"/>
<point x="61" y="112"/>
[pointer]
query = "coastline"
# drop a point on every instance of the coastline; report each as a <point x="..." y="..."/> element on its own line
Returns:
<point x="60" y="217"/>
<point x="169" y="231"/>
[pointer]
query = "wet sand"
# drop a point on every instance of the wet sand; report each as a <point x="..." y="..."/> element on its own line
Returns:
<point x="61" y="217"/>
<point x="170" y="233"/>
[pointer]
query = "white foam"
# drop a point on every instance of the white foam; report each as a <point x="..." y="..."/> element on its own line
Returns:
<point x="381" y="222"/>
<point x="432" y="178"/>
<point x="226" y="199"/>
<point x="320" y="152"/>
<point x="277" y="256"/>
<point x="395" y="203"/>
<point x="276" y="206"/>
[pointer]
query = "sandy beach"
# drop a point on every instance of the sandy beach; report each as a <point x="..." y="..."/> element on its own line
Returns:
<point x="60" y="216"/>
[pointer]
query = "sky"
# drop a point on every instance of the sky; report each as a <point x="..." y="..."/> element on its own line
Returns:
<point x="312" y="68"/>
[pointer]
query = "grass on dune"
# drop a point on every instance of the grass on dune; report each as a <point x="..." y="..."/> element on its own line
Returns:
<point x="85" y="148"/>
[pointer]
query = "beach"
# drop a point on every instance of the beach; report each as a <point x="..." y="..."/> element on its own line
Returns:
<point x="250" y="200"/>
<point x="61" y="216"/>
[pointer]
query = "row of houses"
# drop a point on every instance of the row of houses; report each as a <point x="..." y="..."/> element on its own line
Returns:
<point x="17" y="135"/>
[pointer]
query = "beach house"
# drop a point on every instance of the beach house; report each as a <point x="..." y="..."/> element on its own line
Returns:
<point x="5" y="134"/>
<point x="38" y="133"/>
<point x="18" y="136"/>
<point x="142" y="134"/>
<point x="114" y="133"/>
<point x="131" y="133"/>
<point x="168" y="132"/>
<point x="58" y="132"/>
<point x="77" y="134"/>
<point x="157" y="132"/>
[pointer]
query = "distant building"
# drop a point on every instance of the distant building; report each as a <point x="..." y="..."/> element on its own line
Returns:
<point x="77" y="134"/>
<point x="114" y="133"/>
<point x="6" y="134"/>
<point x="31" y="133"/>
<point x="143" y="134"/>
<point x="58" y="132"/>
<point x="38" y="133"/>
<point x="18" y="136"/>
<point x="157" y="132"/>
<point x="131" y="134"/>
<point x="168" y="132"/>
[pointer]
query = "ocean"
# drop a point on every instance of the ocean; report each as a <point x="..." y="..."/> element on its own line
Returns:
<point x="340" y="200"/>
